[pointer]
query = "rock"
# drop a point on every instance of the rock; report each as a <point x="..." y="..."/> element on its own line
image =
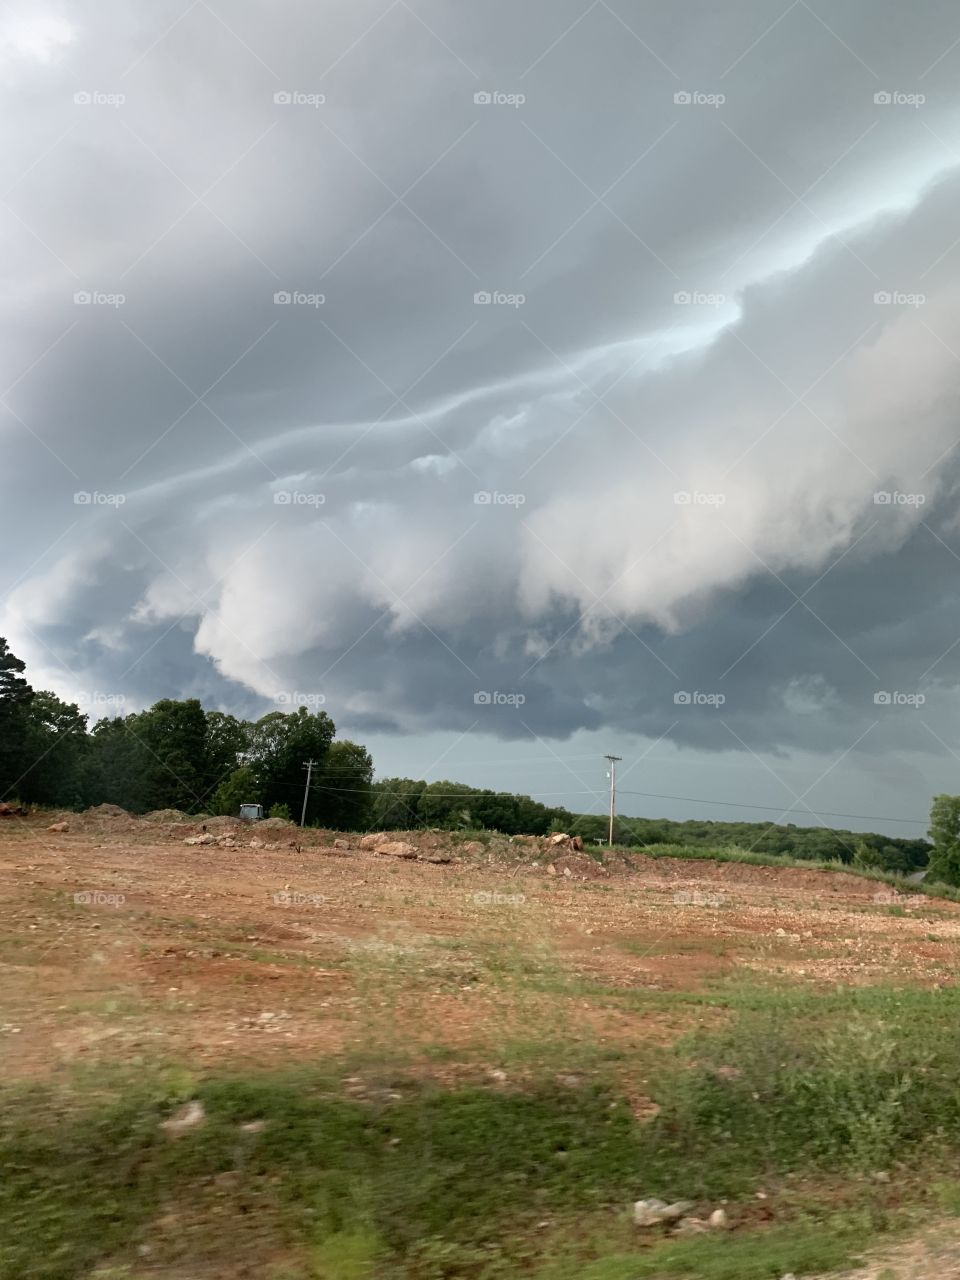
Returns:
<point x="254" y="1126"/>
<point x="576" y="843"/>
<point x="371" y="841"/>
<point x="472" y="846"/>
<point x="651" y="1213"/>
<point x="341" y="844"/>
<point x="186" y="1117"/>
<point x="255" y="844"/>
<point x="435" y="855"/>
<point x="567" y="872"/>
<point x="690" y="1227"/>
<point x="206" y="838"/>
<point x="396" y="849"/>
<point x="551" y="869"/>
<point x="59" y="826"/>
<point x="717" y="1220"/>
<point x="558" y="838"/>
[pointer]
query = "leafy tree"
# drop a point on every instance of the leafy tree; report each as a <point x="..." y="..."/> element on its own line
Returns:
<point x="57" y="745"/>
<point x="280" y="811"/>
<point x="226" y="740"/>
<point x="15" y="695"/>
<point x="119" y="766"/>
<point x="945" y="833"/>
<point x="396" y="804"/>
<point x="174" y="735"/>
<point x="279" y="744"/>
<point x="239" y="788"/>
<point x="345" y="787"/>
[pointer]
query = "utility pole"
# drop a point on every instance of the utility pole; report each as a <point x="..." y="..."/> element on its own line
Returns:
<point x="613" y="791"/>
<point x="308" y="765"/>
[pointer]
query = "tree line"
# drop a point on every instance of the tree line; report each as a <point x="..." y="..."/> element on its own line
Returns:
<point x="176" y="755"/>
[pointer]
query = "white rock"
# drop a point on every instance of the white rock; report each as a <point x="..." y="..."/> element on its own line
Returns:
<point x="186" y="1117"/>
<point x="650" y="1213"/>
<point x="717" y="1220"/>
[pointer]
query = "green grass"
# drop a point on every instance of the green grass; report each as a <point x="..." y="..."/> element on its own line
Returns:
<point x="531" y="1178"/>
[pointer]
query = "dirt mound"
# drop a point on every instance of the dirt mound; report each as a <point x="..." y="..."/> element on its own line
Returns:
<point x="165" y="815"/>
<point x="106" y="811"/>
<point x="223" y="823"/>
<point x="274" y="824"/>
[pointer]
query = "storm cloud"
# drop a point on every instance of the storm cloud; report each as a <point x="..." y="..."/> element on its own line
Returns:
<point x="564" y="373"/>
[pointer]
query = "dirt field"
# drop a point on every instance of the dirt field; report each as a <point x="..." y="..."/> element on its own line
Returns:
<point x="121" y="944"/>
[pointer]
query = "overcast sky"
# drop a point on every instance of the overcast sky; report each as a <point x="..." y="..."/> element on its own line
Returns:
<point x="519" y="382"/>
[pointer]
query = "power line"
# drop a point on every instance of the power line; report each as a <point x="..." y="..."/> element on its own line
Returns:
<point x="772" y="808"/>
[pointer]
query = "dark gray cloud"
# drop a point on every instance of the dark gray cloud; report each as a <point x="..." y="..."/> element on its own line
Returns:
<point x="720" y="248"/>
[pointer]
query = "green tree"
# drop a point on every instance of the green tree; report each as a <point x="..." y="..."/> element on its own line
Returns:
<point x="345" y="787"/>
<point x="396" y="804"/>
<point x="239" y="788"/>
<point x="15" y="695"/>
<point x="945" y="833"/>
<point x="174" y="735"/>
<point x="226" y="740"/>
<point x="279" y="745"/>
<point x="57" y="747"/>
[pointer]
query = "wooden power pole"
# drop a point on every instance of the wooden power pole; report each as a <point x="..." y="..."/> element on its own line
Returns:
<point x="308" y="765"/>
<point x="613" y="791"/>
